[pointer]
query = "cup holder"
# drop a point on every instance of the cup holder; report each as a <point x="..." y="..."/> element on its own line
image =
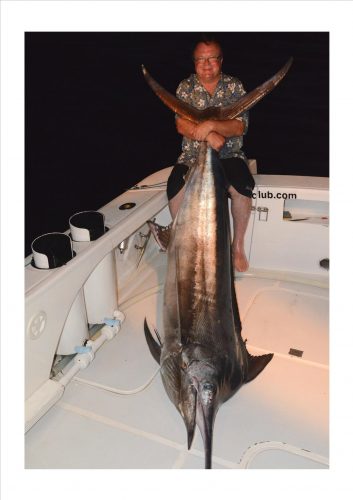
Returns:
<point x="51" y="250"/>
<point x="87" y="226"/>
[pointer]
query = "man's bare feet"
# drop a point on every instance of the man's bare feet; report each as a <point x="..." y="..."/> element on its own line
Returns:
<point x="240" y="262"/>
<point x="241" y="209"/>
<point x="161" y="234"/>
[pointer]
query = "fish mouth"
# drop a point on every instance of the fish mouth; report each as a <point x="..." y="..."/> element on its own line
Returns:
<point x="198" y="406"/>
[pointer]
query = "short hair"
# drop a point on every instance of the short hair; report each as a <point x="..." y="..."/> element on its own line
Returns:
<point x="207" y="39"/>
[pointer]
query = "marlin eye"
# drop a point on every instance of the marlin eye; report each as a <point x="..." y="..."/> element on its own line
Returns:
<point x="208" y="392"/>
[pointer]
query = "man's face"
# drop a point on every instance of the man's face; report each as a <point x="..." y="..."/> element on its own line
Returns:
<point x="208" y="62"/>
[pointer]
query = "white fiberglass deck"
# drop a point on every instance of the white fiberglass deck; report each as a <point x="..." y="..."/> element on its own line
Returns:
<point x="280" y="420"/>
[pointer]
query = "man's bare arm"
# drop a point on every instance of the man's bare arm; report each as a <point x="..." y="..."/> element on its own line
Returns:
<point x="226" y="128"/>
<point x="188" y="129"/>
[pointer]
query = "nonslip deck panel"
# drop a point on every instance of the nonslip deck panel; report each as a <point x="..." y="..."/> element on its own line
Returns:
<point x="287" y="403"/>
<point x="281" y="317"/>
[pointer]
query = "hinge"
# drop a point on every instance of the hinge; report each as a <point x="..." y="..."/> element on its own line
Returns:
<point x="263" y="213"/>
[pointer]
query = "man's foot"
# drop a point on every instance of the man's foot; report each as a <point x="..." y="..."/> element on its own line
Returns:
<point x="240" y="261"/>
<point x="161" y="234"/>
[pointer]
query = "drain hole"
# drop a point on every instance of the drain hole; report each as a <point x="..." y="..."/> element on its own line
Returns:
<point x="325" y="263"/>
<point x="296" y="352"/>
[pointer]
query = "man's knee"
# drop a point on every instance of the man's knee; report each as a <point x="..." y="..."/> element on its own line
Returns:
<point x="239" y="197"/>
<point x="238" y="176"/>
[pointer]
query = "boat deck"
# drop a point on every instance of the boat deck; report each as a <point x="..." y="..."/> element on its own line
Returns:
<point x="116" y="414"/>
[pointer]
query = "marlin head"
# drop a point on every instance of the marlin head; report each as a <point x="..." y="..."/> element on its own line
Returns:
<point x="200" y="395"/>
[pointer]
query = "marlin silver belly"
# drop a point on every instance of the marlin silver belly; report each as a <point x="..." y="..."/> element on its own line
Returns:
<point x="202" y="355"/>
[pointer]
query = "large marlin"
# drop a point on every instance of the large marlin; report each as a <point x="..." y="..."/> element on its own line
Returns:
<point x="202" y="355"/>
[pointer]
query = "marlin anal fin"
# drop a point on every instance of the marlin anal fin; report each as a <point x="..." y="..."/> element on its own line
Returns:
<point x="154" y="347"/>
<point x="256" y="364"/>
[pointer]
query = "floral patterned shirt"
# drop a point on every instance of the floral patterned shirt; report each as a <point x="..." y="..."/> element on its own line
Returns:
<point x="228" y="90"/>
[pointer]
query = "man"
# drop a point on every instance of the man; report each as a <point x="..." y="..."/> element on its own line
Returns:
<point x="210" y="87"/>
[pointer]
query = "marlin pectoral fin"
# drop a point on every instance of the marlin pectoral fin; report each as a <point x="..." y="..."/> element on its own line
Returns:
<point x="170" y="372"/>
<point x="154" y="347"/>
<point x="188" y="400"/>
<point x="256" y="364"/>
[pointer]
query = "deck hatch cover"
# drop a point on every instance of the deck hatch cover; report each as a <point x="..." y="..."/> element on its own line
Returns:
<point x="295" y="352"/>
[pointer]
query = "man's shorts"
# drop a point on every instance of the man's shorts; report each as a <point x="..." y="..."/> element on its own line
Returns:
<point x="236" y="171"/>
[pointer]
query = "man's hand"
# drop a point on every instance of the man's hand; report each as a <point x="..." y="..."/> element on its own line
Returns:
<point x="212" y="131"/>
<point x="216" y="141"/>
<point x="203" y="129"/>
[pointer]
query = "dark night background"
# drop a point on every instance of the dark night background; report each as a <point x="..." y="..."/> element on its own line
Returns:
<point x="93" y="128"/>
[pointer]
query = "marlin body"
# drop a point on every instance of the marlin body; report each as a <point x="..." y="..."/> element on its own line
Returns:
<point x="202" y="355"/>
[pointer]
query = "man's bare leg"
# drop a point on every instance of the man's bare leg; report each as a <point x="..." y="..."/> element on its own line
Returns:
<point x="241" y="209"/>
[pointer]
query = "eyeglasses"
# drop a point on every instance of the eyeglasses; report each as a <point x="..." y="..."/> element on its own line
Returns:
<point x="211" y="60"/>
